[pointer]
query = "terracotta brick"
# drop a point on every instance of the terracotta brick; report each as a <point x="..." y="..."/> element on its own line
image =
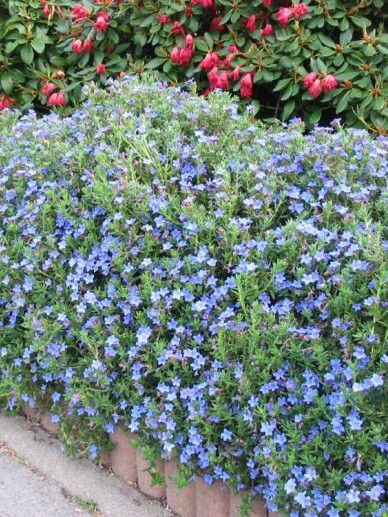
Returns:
<point x="258" y="510"/>
<point x="48" y="425"/>
<point x="212" y="501"/>
<point x="123" y="456"/>
<point x="31" y="412"/>
<point x="179" y="500"/>
<point x="144" y="478"/>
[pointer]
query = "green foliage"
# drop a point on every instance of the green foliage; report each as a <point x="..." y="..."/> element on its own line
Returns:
<point x="345" y="40"/>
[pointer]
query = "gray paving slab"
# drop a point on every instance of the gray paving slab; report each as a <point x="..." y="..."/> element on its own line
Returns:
<point x="25" y="494"/>
<point x="36" y="475"/>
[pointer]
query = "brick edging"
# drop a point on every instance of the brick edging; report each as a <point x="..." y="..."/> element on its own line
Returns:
<point x="195" y="500"/>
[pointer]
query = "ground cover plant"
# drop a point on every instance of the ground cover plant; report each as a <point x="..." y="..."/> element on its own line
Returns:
<point x="316" y="59"/>
<point x="170" y="266"/>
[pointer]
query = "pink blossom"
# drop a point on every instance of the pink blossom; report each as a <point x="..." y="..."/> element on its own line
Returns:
<point x="284" y="15"/>
<point x="316" y="88"/>
<point x="329" y="83"/>
<point x="309" y="79"/>
<point x="300" y="10"/>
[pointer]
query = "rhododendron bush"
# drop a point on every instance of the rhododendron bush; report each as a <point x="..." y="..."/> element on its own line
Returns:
<point x="170" y="267"/>
<point x="313" y="58"/>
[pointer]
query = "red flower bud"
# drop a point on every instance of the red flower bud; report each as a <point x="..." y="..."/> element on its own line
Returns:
<point x="177" y="28"/>
<point x="48" y="88"/>
<point x="76" y="46"/>
<point x="101" y="24"/>
<point x="80" y="12"/>
<point x="46" y="10"/>
<point x="236" y="73"/>
<point x="309" y="79"/>
<point x="209" y="61"/>
<point x="57" y="99"/>
<point x="316" y="88"/>
<point x="284" y="15"/>
<point x="267" y="30"/>
<point x="250" y="23"/>
<point x="329" y="83"/>
<point x="163" y="18"/>
<point x="222" y="81"/>
<point x="216" y="24"/>
<point x="205" y="3"/>
<point x="174" y="56"/>
<point x="267" y="3"/>
<point x="246" y="86"/>
<point x="300" y="10"/>
<point x="100" y="69"/>
<point x="87" y="46"/>
<point x="233" y="48"/>
<point x="189" y="41"/>
<point x="5" y="102"/>
<point x="213" y="77"/>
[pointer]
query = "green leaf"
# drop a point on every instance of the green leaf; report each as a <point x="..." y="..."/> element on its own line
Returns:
<point x="27" y="54"/>
<point x="156" y="62"/>
<point x="6" y="82"/>
<point x="288" y="109"/>
<point x="288" y="92"/>
<point x="360" y="21"/>
<point x="10" y="46"/>
<point x="379" y="103"/>
<point x="342" y="104"/>
<point x="326" y="40"/>
<point x="346" y="37"/>
<point x="38" y="45"/>
<point x="315" y="116"/>
<point x="283" y="83"/>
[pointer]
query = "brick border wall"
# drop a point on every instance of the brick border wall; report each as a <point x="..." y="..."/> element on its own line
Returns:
<point x="196" y="500"/>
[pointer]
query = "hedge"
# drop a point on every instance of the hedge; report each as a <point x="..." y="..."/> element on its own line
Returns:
<point x="170" y="266"/>
<point x="311" y="59"/>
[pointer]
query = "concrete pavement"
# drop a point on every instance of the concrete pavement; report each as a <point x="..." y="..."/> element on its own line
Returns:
<point x="38" y="479"/>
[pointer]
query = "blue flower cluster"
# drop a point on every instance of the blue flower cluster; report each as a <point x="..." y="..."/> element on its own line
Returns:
<point x="170" y="266"/>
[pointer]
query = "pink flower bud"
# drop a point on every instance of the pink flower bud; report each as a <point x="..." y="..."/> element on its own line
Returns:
<point x="48" y="89"/>
<point x="209" y="61"/>
<point x="189" y="41"/>
<point x="216" y="24"/>
<point x="222" y="81"/>
<point x="267" y="30"/>
<point x="101" y="24"/>
<point x="300" y="10"/>
<point x="177" y="28"/>
<point x="236" y="73"/>
<point x="163" y="19"/>
<point x="329" y="83"/>
<point x="76" y="46"/>
<point x="57" y="99"/>
<point x="316" y="88"/>
<point x="267" y="3"/>
<point x="284" y="15"/>
<point x="87" y="46"/>
<point x="174" y="56"/>
<point x="5" y="102"/>
<point x="250" y="24"/>
<point x="233" y="48"/>
<point x="80" y="12"/>
<point x="100" y="69"/>
<point x="309" y="79"/>
<point x="246" y="86"/>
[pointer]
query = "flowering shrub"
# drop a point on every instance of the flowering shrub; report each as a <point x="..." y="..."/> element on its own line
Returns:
<point x="169" y="266"/>
<point x="309" y="58"/>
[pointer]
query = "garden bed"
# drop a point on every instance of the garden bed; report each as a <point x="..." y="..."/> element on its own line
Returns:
<point x="171" y="268"/>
